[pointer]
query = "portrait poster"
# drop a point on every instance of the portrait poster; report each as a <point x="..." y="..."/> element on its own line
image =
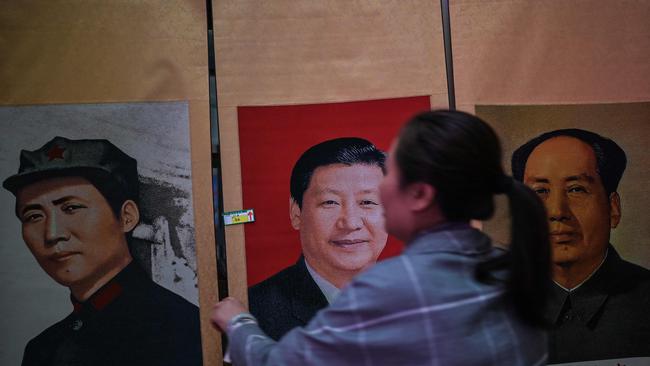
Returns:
<point x="157" y="136"/>
<point x="272" y="138"/>
<point x="627" y="124"/>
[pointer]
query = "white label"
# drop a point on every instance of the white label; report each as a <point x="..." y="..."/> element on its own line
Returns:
<point x="238" y="217"/>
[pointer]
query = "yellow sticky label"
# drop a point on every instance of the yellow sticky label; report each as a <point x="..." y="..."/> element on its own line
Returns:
<point x="238" y="217"/>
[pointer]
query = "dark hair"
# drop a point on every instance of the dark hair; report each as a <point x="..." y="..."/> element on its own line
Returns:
<point x="610" y="158"/>
<point x="112" y="191"/>
<point x="344" y="150"/>
<point x="460" y="155"/>
<point x="115" y="195"/>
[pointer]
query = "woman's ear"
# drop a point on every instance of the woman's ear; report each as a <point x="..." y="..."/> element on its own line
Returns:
<point x="420" y="195"/>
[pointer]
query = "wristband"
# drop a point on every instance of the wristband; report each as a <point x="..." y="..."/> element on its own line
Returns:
<point x="239" y="320"/>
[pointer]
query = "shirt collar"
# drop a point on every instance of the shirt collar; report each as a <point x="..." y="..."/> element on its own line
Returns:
<point x="591" y="294"/>
<point x="586" y="279"/>
<point x="327" y="288"/>
<point x="107" y="293"/>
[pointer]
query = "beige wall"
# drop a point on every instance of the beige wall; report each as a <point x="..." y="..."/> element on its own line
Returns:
<point x="550" y="52"/>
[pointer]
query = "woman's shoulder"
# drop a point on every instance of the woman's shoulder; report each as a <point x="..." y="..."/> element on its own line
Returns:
<point x="389" y="268"/>
<point x="407" y="272"/>
<point x="434" y="274"/>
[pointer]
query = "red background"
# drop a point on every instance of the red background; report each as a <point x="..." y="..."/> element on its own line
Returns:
<point x="271" y="138"/>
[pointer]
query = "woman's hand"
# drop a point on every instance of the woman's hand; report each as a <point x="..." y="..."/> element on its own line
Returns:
<point x="225" y="310"/>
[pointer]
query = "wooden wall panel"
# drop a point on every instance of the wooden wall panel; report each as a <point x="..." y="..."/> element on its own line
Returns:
<point x="550" y="52"/>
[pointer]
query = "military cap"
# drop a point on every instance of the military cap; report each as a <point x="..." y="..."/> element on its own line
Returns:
<point x="98" y="159"/>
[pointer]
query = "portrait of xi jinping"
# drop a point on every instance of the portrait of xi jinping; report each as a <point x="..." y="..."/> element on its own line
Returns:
<point x="335" y="208"/>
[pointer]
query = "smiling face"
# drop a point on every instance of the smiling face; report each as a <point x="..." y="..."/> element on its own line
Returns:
<point x="341" y="221"/>
<point x="72" y="232"/>
<point x="562" y="171"/>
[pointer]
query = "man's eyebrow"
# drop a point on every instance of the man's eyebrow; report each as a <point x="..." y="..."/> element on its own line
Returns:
<point x="334" y="191"/>
<point x="38" y="206"/>
<point x="571" y="178"/>
<point x="538" y="180"/>
<point x="61" y="200"/>
<point x="328" y="190"/>
<point x="579" y="177"/>
<point x="32" y="206"/>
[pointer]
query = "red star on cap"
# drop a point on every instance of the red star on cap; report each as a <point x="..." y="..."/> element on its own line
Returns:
<point x="55" y="152"/>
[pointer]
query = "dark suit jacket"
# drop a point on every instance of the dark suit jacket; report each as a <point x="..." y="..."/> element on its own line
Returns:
<point x="608" y="317"/>
<point x="286" y="300"/>
<point x="130" y="321"/>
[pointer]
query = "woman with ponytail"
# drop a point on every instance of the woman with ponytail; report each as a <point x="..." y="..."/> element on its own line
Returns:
<point x="450" y="298"/>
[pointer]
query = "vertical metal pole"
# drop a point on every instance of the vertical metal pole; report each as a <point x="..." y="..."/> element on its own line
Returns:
<point x="449" y="60"/>
<point x="217" y="186"/>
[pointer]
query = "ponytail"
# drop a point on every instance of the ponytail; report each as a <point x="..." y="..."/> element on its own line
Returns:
<point x="528" y="258"/>
<point x="460" y="155"/>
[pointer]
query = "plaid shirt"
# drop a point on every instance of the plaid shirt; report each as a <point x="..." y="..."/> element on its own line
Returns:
<point x="423" y="307"/>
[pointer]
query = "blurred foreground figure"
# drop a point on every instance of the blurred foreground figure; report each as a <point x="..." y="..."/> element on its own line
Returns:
<point x="450" y="298"/>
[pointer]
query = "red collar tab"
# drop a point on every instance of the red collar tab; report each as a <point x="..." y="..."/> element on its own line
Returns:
<point x="100" y="299"/>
